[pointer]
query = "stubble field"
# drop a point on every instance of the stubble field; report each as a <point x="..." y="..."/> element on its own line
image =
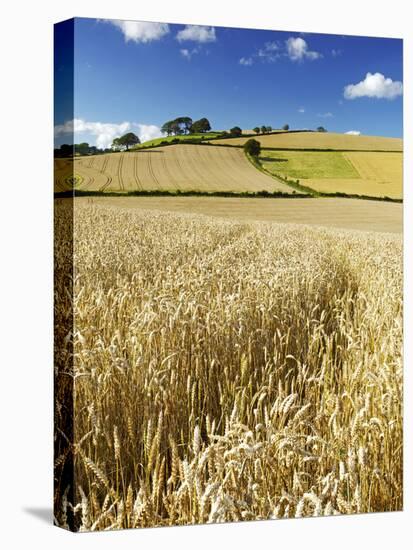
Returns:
<point x="175" y="167"/>
<point x="321" y="140"/>
<point x="228" y="371"/>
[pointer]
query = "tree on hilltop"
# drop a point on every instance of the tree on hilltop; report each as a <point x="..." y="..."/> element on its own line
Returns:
<point x="167" y="128"/>
<point x="200" y="126"/>
<point x="256" y="130"/>
<point x="129" y="139"/>
<point x="236" y="131"/>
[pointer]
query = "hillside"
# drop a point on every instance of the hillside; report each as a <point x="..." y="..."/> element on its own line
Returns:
<point x="176" y="167"/>
<point x="320" y="140"/>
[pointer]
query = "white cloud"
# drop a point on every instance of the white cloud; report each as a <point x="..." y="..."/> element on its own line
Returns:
<point x="188" y="53"/>
<point x="139" y="31"/>
<point x="297" y="50"/>
<point x="147" y="131"/>
<point x="353" y="133"/>
<point x="301" y="110"/>
<point x="270" y="52"/>
<point x="374" y="85"/>
<point x="325" y="115"/>
<point x="105" y="132"/>
<point x="196" y="33"/>
<point x="247" y="61"/>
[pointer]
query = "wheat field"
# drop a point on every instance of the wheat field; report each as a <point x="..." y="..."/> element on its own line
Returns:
<point x="321" y="140"/>
<point x="226" y="370"/>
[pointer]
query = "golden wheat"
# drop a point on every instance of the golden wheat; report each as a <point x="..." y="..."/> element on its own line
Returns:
<point x="228" y="371"/>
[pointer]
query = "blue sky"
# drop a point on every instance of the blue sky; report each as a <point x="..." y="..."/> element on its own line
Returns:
<point x="132" y="76"/>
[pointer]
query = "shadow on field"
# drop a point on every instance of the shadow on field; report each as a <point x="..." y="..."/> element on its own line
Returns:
<point x="272" y="159"/>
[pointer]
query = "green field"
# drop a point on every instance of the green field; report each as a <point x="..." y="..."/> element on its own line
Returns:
<point x="299" y="164"/>
<point x="184" y="137"/>
<point x="368" y="173"/>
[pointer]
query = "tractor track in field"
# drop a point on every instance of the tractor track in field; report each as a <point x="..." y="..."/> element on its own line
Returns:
<point x="108" y="177"/>
<point x="151" y="171"/>
<point x="120" y="177"/>
<point x="139" y="185"/>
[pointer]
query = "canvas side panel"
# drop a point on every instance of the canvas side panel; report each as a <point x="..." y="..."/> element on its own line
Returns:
<point x="63" y="274"/>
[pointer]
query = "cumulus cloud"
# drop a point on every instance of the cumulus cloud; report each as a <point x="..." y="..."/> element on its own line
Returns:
<point x="301" y="110"/>
<point x="105" y="132"/>
<point x="140" y="31"/>
<point x="297" y="50"/>
<point x="196" y="33"/>
<point x="374" y="85"/>
<point x="247" y="61"/>
<point x="353" y="133"/>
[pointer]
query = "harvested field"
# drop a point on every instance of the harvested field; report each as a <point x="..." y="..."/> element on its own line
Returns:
<point x="227" y="370"/>
<point x="361" y="173"/>
<point x="335" y="212"/>
<point x="320" y="140"/>
<point x="175" y="167"/>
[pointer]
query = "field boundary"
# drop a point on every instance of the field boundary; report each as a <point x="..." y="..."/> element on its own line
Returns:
<point x="209" y="143"/>
<point x="223" y="194"/>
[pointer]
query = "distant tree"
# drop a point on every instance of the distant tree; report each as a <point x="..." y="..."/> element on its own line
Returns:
<point x="129" y="139"/>
<point x="252" y="147"/>
<point x="321" y="129"/>
<point x="256" y="130"/>
<point x="66" y="150"/>
<point x="176" y="128"/>
<point x="263" y="129"/>
<point x="82" y="148"/>
<point x="235" y="131"/>
<point x="93" y="150"/>
<point x="167" y="128"/>
<point x="116" y="144"/>
<point x="269" y="129"/>
<point x="286" y="127"/>
<point x="200" y="126"/>
<point x="184" y="123"/>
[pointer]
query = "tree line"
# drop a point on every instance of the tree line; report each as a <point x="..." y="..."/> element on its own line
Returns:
<point x="185" y="125"/>
<point x="179" y="126"/>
